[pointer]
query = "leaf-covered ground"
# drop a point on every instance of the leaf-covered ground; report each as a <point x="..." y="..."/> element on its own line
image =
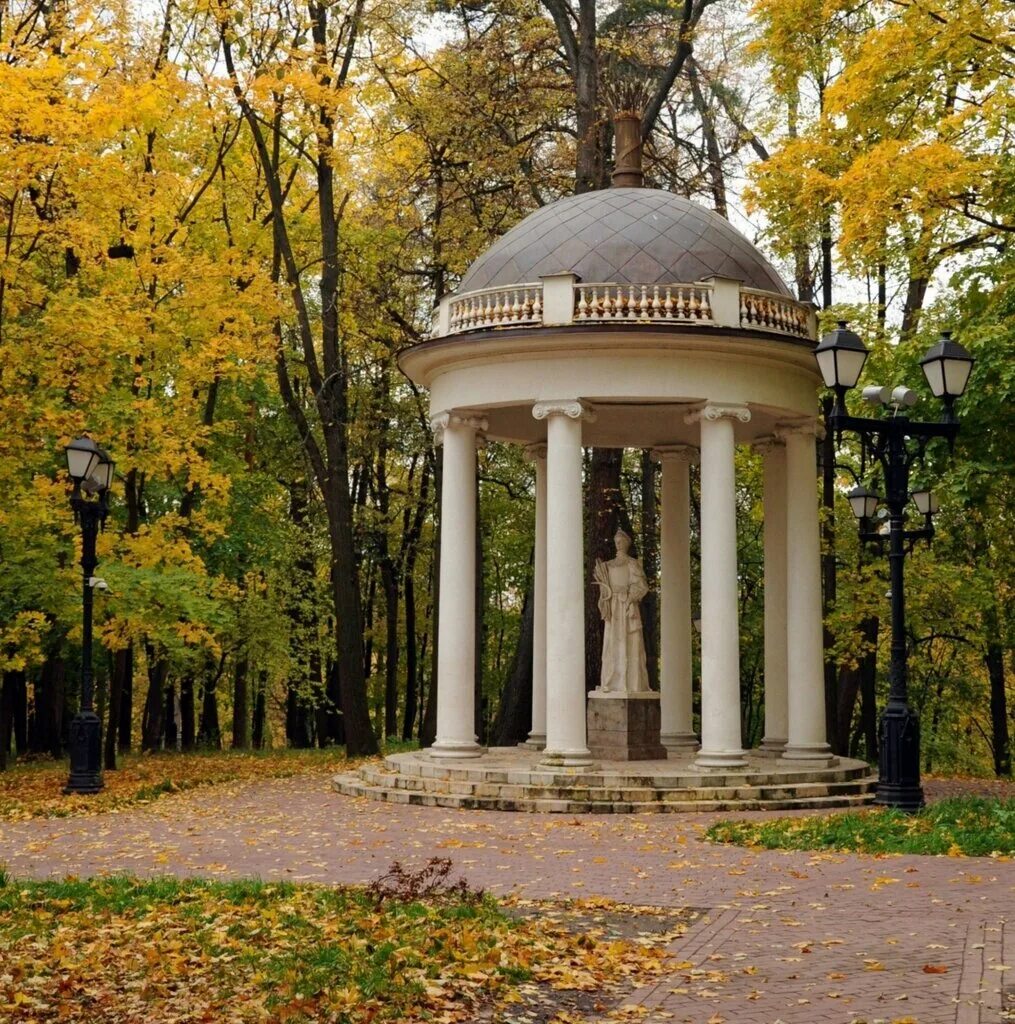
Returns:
<point x="120" y="949"/>
<point x="35" y="789"/>
<point x="959" y="826"/>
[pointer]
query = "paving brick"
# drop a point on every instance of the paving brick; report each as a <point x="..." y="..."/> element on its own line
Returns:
<point x="800" y="938"/>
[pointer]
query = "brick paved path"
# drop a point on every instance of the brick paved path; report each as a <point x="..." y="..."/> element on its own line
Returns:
<point x="792" y="937"/>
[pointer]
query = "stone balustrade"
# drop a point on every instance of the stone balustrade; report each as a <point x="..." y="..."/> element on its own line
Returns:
<point x="686" y="303"/>
<point x="561" y="300"/>
<point x="768" y="311"/>
<point x="497" y="307"/>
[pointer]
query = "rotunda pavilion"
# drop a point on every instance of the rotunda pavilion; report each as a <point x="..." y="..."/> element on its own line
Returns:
<point x="631" y="317"/>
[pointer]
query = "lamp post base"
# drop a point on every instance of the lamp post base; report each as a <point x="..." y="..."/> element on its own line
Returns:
<point x="899" y="759"/>
<point x="85" y="751"/>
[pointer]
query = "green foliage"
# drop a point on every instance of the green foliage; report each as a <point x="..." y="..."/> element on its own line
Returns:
<point x="961" y="826"/>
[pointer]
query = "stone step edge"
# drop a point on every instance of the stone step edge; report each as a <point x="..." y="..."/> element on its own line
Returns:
<point x="600" y="793"/>
<point x="353" y="786"/>
<point x="511" y="776"/>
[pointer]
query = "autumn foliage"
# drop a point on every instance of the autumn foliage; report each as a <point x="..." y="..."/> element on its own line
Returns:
<point x="219" y="222"/>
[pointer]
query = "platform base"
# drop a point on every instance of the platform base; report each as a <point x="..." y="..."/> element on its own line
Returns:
<point x="624" y="726"/>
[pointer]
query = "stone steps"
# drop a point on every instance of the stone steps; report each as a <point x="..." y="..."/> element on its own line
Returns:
<point x="668" y="777"/>
<point x="580" y="796"/>
<point x="582" y="789"/>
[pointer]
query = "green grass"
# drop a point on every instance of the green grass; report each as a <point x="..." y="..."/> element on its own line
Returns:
<point x="298" y="952"/>
<point x="961" y="826"/>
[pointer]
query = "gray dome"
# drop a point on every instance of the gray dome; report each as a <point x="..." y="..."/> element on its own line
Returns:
<point x="627" y="236"/>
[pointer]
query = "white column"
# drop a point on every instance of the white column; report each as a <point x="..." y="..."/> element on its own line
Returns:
<point x="536" y="454"/>
<point x="456" y="633"/>
<point x="721" y="742"/>
<point x="774" y="455"/>
<point x="566" y="742"/>
<point x="675" y="605"/>
<point x="806" y="740"/>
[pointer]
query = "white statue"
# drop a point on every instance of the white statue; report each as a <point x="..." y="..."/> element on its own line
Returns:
<point x="622" y="585"/>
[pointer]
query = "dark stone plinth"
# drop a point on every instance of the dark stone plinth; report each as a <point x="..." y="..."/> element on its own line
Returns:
<point x="625" y="727"/>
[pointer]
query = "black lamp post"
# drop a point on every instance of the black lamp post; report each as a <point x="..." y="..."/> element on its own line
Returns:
<point x="895" y="443"/>
<point x="91" y="470"/>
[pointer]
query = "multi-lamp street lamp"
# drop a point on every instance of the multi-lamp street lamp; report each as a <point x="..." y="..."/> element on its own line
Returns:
<point x="895" y="443"/>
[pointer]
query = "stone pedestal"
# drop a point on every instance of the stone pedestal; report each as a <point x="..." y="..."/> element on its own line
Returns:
<point x="624" y="726"/>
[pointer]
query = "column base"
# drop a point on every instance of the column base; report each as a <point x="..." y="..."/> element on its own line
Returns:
<point x="574" y="760"/>
<point x="456" y="749"/>
<point x="771" y="748"/>
<point x="800" y="755"/>
<point x="536" y="741"/>
<point x="720" y="759"/>
<point x="679" y="742"/>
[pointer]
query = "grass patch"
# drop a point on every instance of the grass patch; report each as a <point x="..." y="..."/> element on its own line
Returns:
<point x="165" y="949"/>
<point x="958" y="827"/>
<point x="33" y="789"/>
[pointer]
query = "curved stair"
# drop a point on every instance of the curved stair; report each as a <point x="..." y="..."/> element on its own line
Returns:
<point x="514" y="782"/>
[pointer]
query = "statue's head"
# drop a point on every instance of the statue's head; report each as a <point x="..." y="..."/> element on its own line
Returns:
<point x="623" y="541"/>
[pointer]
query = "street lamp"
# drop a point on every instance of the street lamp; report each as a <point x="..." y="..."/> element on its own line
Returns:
<point x="947" y="366"/>
<point x="863" y="502"/>
<point x="841" y="355"/>
<point x="91" y="470"/>
<point x="895" y="443"/>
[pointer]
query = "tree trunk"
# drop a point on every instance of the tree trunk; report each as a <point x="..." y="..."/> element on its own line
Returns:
<point x="514" y="716"/>
<point x="916" y="291"/>
<point x="589" y="156"/>
<point x="389" y="583"/>
<point x="20" y="713"/>
<point x="155" y="704"/>
<point x="826" y="261"/>
<point x="9" y="683"/>
<point x="260" y="711"/>
<point x="188" y="731"/>
<point x="324" y="358"/>
<point x="241" y="709"/>
<point x="209" y="734"/>
<point x="716" y="176"/>
<point x="115" y="701"/>
<point x="1000" y="735"/>
<point x="126" y="702"/>
<point x="172" y="733"/>
<point x="411" y="666"/>
<point x="851" y="681"/>
<point x="413" y="530"/>
<point x="50" y="699"/>
<point x="868" y="691"/>
<point x="336" y="725"/>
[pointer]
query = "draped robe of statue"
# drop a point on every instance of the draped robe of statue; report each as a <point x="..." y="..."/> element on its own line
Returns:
<point x="622" y="585"/>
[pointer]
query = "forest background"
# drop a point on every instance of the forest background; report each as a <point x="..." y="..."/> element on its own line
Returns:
<point x="220" y="222"/>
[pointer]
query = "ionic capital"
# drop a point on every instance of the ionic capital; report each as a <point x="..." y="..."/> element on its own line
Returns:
<point x="573" y="408"/>
<point x="685" y="453"/>
<point x="718" y="411"/>
<point x="451" y="419"/>
<point x="809" y="427"/>
<point x="535" y="452"/>
<point x="767" y="445"/>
